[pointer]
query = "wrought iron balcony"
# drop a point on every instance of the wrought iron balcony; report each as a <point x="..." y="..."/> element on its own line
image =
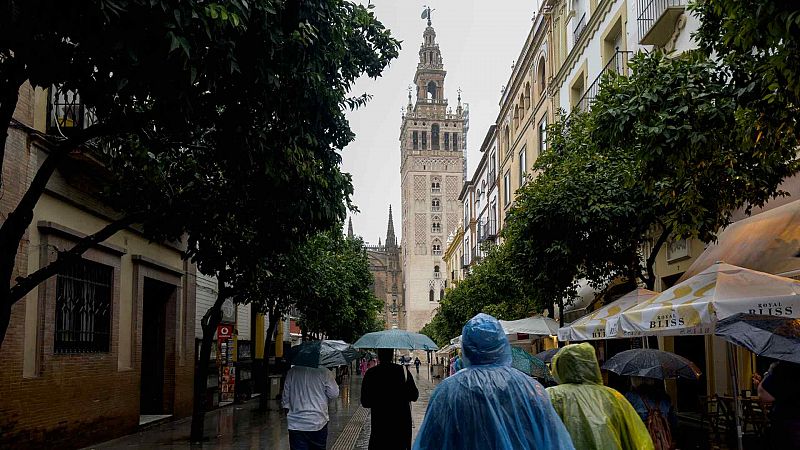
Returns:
<point x="657" y="19"/>
<point x="579" y="28"/>
<point x="492" y="179"/>
<point x="489" y="229"/>
<point x="66" y="112"/>
<point x="618" y="63"/>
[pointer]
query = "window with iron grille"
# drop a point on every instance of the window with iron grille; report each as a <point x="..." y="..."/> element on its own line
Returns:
<point x="83" y="308"/>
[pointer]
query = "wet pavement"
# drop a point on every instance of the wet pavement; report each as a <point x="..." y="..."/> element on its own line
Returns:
<point x="245" y="426"/>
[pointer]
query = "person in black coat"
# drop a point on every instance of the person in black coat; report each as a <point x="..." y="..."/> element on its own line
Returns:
<point x="388" y="389"/>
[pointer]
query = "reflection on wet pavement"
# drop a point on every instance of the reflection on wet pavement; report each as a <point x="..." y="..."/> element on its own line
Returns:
<point x="244" y="426"/>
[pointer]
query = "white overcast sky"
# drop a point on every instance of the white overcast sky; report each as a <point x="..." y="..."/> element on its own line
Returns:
<point x="478" y="39"/>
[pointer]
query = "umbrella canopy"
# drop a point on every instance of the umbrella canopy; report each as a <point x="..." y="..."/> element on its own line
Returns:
<point x="547" y="355"/>
<point x="325" y="353"/>
<point x="400" y="339"/>
<point x="536" y="325"/>
<point x="770" y="336"/>
<point x="528" y="364"/>
<point x="603" y="323"/>
<point x="693" y="306"/>
<point x="651" y="363"/>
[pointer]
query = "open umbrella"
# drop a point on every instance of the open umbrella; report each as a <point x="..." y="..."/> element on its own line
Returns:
<point x="652" y="363"/>
<point x="547" y="355"/>
<point x="602" y="323"/>
<point x="399" y="339"/>
<point x="693" y="306"/>
<point x="770" y="336"/>
<point x="528" y="364"/>
<point x="325" y="353"/>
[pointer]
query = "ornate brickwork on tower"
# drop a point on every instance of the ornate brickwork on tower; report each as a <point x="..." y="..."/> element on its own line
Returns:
<point x="431" y="144"/>
<point x="387" y="271"/>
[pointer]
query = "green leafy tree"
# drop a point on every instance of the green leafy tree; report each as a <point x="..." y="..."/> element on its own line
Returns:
<point x="757" y="45"/>
<point x="491" y="287"/>
<point x="338" y="301"/>
<point x="196" y="103"/>
<point x="666" y="152"/>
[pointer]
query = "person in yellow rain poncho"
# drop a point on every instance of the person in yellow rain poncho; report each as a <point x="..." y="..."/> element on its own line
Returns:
<point x="596" y="416"/>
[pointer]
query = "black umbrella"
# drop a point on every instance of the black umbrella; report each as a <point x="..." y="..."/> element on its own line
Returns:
<point x="547" y="355"/>
<point x="651" y="363"/>
<point x="770" y="336"/>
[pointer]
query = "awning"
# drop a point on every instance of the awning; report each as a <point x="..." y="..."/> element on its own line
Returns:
<point x="767" y="242"/>
<point x="536" y="325"/>
<point x="602" y="322"/>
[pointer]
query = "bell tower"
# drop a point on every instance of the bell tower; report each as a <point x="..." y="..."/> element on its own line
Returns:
<point x="432" y="144"/>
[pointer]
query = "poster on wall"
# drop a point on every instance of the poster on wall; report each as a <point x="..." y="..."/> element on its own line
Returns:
<point x="225" y="359"/>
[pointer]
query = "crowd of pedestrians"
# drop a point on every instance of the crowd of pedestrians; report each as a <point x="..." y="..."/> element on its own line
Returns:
<point x="486" y="404"/>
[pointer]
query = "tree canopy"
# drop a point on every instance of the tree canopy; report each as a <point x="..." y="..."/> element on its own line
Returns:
<point x="491" y="287"/>
<point x="665" y="152"/>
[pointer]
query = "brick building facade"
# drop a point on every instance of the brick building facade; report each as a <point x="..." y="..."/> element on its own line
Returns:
<point x="74" y="369"/>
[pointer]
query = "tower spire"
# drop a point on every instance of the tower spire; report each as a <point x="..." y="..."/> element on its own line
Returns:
<point x="350" y="228"/>
<point x="391" y="240"/>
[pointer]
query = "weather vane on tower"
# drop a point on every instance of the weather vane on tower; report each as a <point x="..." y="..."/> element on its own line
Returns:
<point x="426" y="13"/>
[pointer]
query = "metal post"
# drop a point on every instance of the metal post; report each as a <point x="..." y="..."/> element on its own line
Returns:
<point x="737" y="403"/>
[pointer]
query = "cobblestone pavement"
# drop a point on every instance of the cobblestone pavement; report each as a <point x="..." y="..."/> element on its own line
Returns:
<point x="244" y="426"/>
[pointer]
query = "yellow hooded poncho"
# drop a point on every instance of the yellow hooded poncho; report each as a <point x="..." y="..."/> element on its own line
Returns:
<point x="596" y="416"/>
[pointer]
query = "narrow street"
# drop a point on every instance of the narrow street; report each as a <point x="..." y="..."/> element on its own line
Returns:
<point x="244" y="426"/>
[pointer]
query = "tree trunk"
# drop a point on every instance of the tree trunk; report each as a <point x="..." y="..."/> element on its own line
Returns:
<point x="263" y="402"/>
<point x="26" y="284"/>
<point x="9" y="95"/>
<point x="211" y="320"/>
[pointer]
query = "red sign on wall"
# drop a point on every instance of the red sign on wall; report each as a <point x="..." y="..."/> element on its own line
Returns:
<point x="224" y="331"/>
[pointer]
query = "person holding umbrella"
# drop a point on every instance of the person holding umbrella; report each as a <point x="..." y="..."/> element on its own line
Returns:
<point x="388" y="390"/>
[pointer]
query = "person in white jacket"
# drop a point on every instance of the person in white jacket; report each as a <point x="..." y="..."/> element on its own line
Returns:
<point x="305" y="395"/>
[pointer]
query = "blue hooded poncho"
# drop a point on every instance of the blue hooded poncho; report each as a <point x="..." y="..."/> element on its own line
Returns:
<point x="490" y="405"/>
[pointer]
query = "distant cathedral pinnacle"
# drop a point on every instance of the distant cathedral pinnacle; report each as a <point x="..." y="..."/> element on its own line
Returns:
<point x="350" y="227"/>
<point x="391" y="240"/>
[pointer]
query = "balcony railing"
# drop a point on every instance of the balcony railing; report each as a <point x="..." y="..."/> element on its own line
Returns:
<point x="492" y="179"/>
<point x="436" y="190"/>
<point x="436" y="208"/>
<point x="657" y="20"/>
<point x="617" y="64"/>
<point x="579" y="28"/>
<point x="489" y="229"/>
<point x="66" y="112"/>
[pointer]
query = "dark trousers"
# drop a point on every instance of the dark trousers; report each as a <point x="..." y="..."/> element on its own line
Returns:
<point x="308" y="440"/>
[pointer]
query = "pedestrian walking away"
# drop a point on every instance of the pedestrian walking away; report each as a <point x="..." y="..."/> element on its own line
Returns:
<point x="488" y="404"/>
<point x="305" y="396"/>
<point x="597" y="417"/>
<point x="417" y="362"/>
<point x="651" y="401"/>
<point x="387" y="391"/>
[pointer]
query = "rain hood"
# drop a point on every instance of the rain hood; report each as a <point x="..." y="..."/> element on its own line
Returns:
<point x="490" y="405"/>
<point x="596" y="416"/>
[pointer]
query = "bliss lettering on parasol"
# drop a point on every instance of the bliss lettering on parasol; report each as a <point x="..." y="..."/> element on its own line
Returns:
<point x="666" y="321"/>
<point x="772" y="309"/>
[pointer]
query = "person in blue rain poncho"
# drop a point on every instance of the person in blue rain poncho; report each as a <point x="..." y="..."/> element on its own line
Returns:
<point x="489" y="404"/>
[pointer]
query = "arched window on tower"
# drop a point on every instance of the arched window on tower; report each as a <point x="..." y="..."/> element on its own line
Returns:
<point x="435" y="137"/>
<point x="446" y="140"/>
<point x="436" y="272"/>
<point x="455" y="141"/>
<point x="415" y="140"/>
<point x="436" y="248"/>
<point x="432" y="88"/>
<point x="436" y="205"/>
<point x="430" y="295"/>
<point x="441" y="294"/>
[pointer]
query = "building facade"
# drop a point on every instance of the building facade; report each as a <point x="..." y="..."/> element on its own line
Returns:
<point x="109" y="341"/>
<point x="526" y="110"/>
<point x="432" y="163"/>
<point x="386" y="266"/>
